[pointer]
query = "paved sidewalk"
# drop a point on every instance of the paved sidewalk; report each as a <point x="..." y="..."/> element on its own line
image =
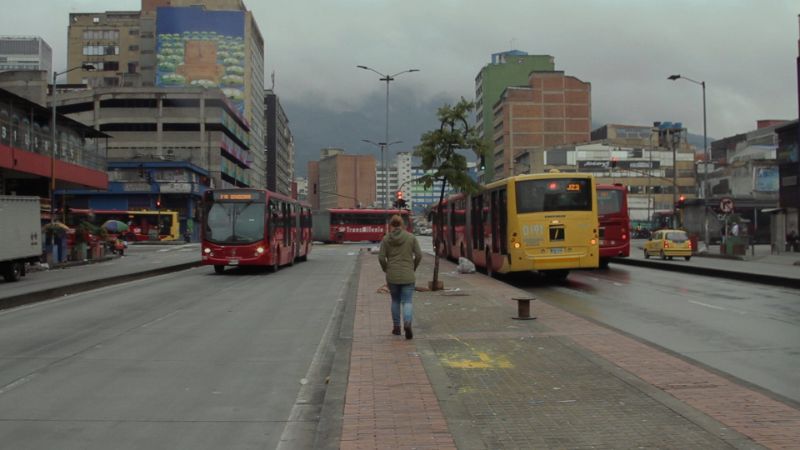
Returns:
<point x="556" y="382"/>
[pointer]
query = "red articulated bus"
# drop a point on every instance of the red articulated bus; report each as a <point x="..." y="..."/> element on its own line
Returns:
<point x="355" y="225"/>
<point x="612" y="206"/>
<point x="254" y="227"/>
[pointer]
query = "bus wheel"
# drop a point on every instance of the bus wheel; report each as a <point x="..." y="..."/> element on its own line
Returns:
<point x="603" y="263"/>
<point x="219" y="268"/>
<point x="687" y="258"/>
<point x="556" y="275"/>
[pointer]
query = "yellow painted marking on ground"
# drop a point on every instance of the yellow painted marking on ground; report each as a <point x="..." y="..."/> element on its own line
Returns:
<point x="476" y="360"/>
<point x="483" y="361"/>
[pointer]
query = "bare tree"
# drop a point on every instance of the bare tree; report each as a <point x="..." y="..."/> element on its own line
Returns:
<point x="441" y="160"/>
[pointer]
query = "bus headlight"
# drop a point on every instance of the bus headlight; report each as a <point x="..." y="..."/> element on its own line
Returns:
<point x="206" y="250"/>
<point x="517" y="245"/>
<point x="593" y="241"/>
<point x="260" y="250"/>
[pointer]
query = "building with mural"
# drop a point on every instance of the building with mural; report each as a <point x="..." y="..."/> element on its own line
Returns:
<point x="178" y="44"/>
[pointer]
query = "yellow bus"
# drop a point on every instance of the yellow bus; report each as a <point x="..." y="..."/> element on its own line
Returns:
<point x="539" y="222"/>
<point x="143" y="225"/>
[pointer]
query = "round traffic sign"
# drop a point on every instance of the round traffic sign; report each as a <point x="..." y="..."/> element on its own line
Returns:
<point x="726" y="205"/>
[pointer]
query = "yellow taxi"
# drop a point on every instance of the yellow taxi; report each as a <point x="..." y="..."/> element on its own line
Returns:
<point x="668" y="243"/>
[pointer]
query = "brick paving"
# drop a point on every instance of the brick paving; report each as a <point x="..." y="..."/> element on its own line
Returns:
<point x="390" y="402"/>
<point x="556" y="382"/>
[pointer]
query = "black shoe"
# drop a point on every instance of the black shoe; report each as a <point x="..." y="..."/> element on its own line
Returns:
<point x="409" y="333"/>
<point x="396" y="330"/>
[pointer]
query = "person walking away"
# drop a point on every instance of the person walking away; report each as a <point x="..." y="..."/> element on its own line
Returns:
<point x="399" y="257"/>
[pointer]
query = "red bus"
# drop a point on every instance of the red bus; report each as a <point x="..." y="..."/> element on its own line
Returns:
<point x="355" y="225"/>
<point x="254" y="227"/>
<point x="612" y="211"/>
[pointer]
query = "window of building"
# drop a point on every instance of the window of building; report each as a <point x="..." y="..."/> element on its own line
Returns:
<point x="133" y="48"/>
<point x="133" y="32"/>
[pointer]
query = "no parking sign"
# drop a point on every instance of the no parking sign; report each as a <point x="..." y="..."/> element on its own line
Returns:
<point x="726" y="205"/>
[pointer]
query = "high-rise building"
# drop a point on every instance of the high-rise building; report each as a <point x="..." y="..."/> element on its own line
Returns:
<point x="278" y="146"/>
<point x="511" y="68"/>
<point x="553" y="110"/>
<point x="110" y="43"/>
<point x="25" y="53"/>
<point x="390" y="181"/>
<point x="178" y="43"/>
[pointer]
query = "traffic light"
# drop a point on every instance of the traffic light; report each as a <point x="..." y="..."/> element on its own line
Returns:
<point x="399" y="195"/>
<point x="680" y="202"/>
<point x="158" y="202"/>
<point x="483" y="163"/>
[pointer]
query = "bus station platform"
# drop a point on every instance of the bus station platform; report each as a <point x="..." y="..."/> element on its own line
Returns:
<point x="473" y="377"/>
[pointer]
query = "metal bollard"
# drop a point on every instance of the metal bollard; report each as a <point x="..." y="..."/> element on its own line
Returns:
<point x="523" y="308"/>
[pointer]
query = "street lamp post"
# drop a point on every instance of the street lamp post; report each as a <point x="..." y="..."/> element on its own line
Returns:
<point x="387" y="79"/>
<point x="706" y="157"/>
<point x="383" y="146"/>
<point x="87" y="67"/>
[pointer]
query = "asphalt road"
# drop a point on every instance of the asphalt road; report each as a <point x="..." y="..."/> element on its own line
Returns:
<point x="750" y="331"/>
<point x="190" y="360"/>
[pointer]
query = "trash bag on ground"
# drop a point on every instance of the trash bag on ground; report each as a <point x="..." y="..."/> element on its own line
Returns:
<point x="465" y="265"/>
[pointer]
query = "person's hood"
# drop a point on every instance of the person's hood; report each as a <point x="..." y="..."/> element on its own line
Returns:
<point x="398" y="237"/>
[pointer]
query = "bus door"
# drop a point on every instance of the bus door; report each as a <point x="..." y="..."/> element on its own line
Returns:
<point x="476" y="225"/>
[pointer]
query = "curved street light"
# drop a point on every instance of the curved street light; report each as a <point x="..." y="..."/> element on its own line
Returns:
<point x="89" y="68"/>
<point x="706" y="156"/>
<point x="383" y="146"/>
<point x="387" y="79"/>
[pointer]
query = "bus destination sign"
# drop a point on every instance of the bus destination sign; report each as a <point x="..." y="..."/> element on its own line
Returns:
<point x="237" y="196"/>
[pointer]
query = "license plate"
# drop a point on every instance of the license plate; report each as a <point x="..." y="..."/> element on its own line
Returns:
<point x="233" y="262"/>
<point x="556" y="251"/>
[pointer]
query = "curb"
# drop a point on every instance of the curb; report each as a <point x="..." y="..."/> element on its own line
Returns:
<point x="47" y="294"/>
<point x="771" y="280"/>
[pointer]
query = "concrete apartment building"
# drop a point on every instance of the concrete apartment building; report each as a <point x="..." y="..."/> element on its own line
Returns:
<point x="278" y="146"/>
<point x="511" y="68"/>
<point x="25" y="53"/>
<point x="553" y="110"/>
<point x="174" y="44"/>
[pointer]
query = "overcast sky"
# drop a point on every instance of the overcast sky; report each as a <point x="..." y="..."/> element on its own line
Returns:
<point x="745" y="50"/>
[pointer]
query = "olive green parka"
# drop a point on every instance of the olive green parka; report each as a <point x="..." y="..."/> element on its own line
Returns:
<point x="400" y="256"/>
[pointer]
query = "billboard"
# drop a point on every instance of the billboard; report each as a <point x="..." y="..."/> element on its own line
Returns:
<point x="196" y="47"/>
<point x="766" y="179"/>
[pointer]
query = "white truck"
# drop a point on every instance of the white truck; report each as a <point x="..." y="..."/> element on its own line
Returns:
<point x="20" y="234"/>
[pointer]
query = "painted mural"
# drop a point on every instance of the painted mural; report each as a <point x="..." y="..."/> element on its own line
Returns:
<point x="196" y="47"/>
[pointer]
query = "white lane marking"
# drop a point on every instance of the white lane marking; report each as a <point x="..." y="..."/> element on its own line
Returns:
<point x="717" y="307"/>
<point x="707" y="305"/>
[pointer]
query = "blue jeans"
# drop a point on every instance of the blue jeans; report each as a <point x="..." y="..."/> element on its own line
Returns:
<point x="401" y="294"/>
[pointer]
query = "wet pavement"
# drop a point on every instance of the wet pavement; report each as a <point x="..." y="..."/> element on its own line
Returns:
<point x="473" y="377"/>
<point x="559" y="381"/>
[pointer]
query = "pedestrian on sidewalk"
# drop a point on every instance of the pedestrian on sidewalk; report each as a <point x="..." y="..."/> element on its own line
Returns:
<point x="399" y="257"/>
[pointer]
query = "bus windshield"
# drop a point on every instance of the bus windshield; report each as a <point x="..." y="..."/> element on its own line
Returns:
<point x="554" y="194"/>
<point x="609" y="201"/>
<point x="240" y="223"/>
